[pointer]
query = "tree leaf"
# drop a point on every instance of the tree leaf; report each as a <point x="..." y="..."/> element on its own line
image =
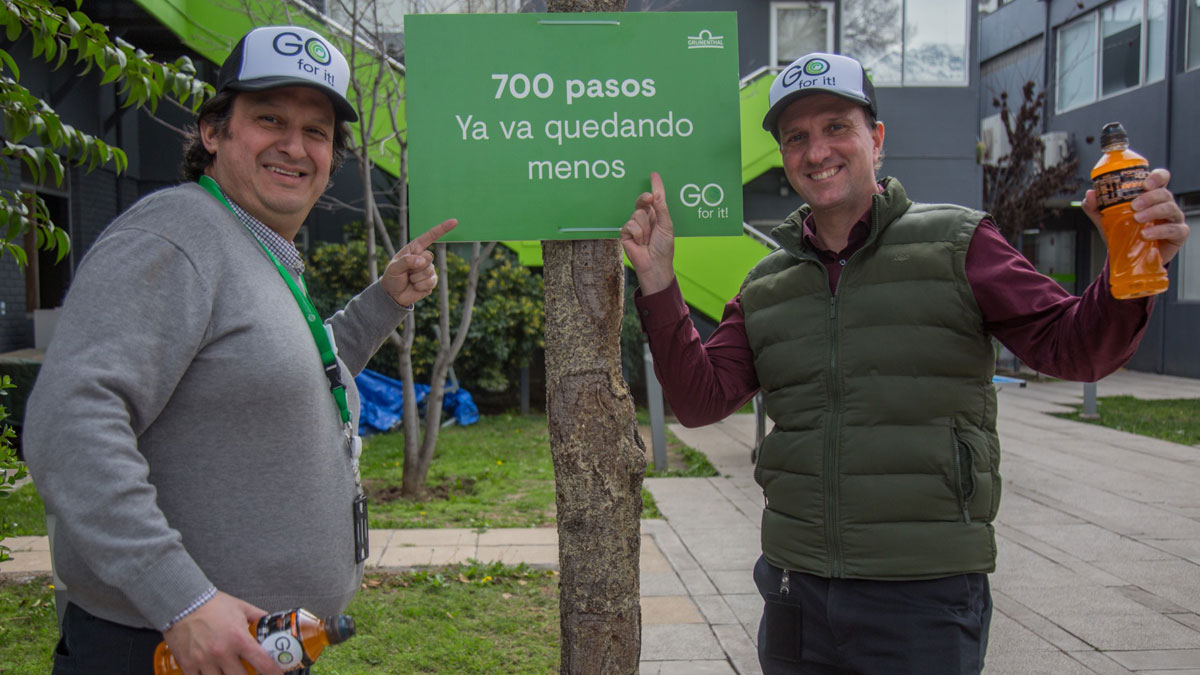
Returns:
<point x="11" y="65"/>
<point x="62" y="242"/>
<point x="17" y="253"/>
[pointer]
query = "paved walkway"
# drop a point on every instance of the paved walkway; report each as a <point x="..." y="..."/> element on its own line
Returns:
<point x="1098" y="535"/>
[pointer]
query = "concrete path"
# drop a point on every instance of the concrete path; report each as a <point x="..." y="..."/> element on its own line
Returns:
<point x="1098" y="538"/>
<point x="1098" y="535"/>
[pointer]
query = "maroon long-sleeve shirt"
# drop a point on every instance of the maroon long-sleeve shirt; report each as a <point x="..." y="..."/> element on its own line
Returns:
<point x="1080" y="338"/>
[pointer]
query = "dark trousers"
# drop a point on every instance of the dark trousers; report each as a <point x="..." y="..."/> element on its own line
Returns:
<point x="843" y="626"/>
<point x="89" y="645"/>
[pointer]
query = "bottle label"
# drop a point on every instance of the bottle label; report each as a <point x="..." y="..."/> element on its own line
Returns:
<point x="279" y="635"/>
<point x="1119" y="187"/>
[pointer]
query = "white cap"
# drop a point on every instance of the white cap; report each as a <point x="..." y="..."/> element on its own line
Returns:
<point x="282" y="56"/>
<point x="818" y="73"/>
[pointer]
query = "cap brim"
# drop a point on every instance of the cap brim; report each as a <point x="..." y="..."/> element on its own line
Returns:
<point x="341" y="106"/>
<point x="771" y="119"/>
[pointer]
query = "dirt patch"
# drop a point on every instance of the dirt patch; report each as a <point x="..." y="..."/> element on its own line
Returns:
<point x="674" y="458"/>
<point x="383" y="491"/>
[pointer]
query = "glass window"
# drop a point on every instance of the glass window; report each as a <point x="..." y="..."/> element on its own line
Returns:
<point x="1188" y="261"/>
<point x="908" y="42"/>
<point x="871" y="33"/>
<point x="1076" y="56"/>
<point x="800" y="28"/>
<point x="1156" y="40"/>
<point x="935" y="42"/>
<point x="1120" y="46"/>
<point x="1193" y="23"/>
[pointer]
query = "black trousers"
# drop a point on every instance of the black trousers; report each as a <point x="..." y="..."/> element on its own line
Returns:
<point x="89" y="645"/>
<point x="843" y="626"/>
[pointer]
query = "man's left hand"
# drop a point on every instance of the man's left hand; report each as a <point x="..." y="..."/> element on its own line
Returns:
<point x="410" y="274"/>
<point x="1156" y="205"/>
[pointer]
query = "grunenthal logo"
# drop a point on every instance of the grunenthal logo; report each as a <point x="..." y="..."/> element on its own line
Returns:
<point x="816" y="66"/>
<point x="706" y="40"/>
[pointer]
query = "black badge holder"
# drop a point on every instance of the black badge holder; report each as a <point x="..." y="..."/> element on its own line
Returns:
<point x="362" y="547"/>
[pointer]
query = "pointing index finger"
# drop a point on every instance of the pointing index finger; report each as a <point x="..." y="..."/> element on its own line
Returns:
<point x="425" y="240"/>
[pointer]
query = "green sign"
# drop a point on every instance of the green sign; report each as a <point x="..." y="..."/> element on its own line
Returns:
<point x="547" y="126"/>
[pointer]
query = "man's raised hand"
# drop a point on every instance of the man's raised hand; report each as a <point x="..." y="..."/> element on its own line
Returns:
<point x="648" y="238"/>
<point x="410" y="274"/>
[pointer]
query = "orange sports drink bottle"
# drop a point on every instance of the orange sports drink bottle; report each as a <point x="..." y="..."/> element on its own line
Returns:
<point x="294" y="639"/>
<point x="1135" y="266"/>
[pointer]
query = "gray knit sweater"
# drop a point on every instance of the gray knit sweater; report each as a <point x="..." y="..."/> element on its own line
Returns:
<point x="182" y="430"/>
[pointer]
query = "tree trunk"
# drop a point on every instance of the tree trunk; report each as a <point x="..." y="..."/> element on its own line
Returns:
<point x="599" y="458"/>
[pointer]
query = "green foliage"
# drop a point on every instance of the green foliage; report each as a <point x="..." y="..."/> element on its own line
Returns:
<point x="35" y="135"/>
<point x="507" y="324"/>
<point x="11" y="469"/>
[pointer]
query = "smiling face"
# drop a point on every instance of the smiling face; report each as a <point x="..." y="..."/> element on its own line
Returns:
<point x="274" y="160"/>
<point x="829" y="150"/>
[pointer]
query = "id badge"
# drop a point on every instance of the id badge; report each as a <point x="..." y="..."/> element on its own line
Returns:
<point x="361" y="533"/>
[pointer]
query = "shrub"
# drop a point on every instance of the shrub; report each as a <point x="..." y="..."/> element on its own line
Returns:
<point x="507" y="325"/>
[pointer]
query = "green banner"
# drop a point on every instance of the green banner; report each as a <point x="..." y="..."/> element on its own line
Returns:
<point x="547" y="126"/>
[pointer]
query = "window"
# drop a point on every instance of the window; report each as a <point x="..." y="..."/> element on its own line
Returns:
<point x="799" y="28"/>
<point x="1118" y="47"/>
<point x="1076" y="54"/>
<point x="908" y="42"/>
<point x="1193" y="35"/>
<point x="1188" y="262"/>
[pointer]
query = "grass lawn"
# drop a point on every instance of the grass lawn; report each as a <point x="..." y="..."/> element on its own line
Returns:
<point x="496" y="473"/>
<point x="462" y="619"/>
<point x="1175" y="420"/>
<point x="28" y="626"/>
<point x="22" y="512"/>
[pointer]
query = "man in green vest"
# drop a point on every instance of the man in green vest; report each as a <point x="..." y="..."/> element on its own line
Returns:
<point x="869" y="332"/>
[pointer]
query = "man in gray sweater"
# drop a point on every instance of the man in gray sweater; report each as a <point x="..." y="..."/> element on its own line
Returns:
<point x="192" y="428"/>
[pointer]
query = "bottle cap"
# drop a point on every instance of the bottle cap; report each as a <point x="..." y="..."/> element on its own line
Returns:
<point x="339" y="628"/>
<point x="1113" y="132"/>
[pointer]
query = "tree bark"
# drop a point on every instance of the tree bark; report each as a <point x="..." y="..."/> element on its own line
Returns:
<point x="599" y="458"/>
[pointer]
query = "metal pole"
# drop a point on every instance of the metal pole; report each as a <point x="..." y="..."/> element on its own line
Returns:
<point x="658" y="430"/>
<point x="1089" y="402"/>
<point x="524" y="390"/>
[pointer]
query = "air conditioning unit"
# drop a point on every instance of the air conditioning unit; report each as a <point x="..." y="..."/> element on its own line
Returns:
<point x="1057" y="148"/>
<point x="994" y="138"/>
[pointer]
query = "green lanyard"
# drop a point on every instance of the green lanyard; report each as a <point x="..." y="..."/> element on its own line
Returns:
<point x="315" y="325"/>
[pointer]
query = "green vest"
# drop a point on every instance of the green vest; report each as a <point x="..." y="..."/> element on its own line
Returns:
<point x="883" y="463"/>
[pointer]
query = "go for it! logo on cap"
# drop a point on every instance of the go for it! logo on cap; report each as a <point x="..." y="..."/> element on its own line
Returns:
<point x="819" y="73"/>
<point x="316" y="49"/>
<point x="281" y="56"/>
<point x="816" y="67"/>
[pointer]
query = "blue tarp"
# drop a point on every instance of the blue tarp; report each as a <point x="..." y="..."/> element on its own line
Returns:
<point x="382" y="401"/>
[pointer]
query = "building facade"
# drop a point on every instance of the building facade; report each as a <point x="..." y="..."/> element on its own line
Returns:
<point x="1131" y="61"/>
